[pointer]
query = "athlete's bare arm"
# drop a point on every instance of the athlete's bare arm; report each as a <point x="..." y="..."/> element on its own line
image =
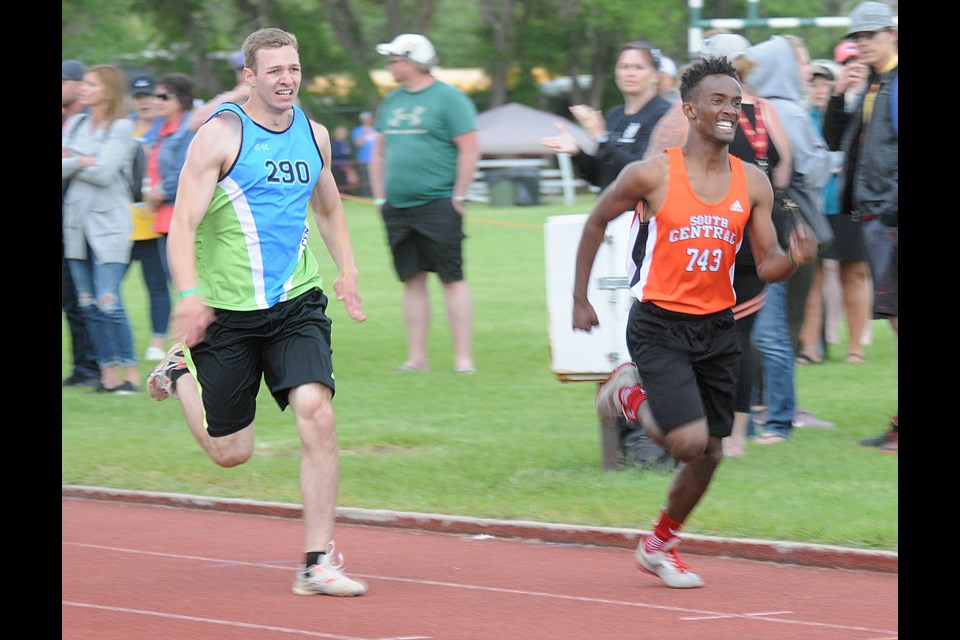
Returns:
<point x="773" y="263"/>
<point x="327" y="208"/>
<point x="644" y="181"/>
<point x="211" y="153"/>
<point x="669" y="131"/>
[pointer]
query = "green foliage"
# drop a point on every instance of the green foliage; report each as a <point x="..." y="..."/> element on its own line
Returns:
<point x="102" y="31"/>
<point x="563" y="36"/>
<point x="511" y="441"/>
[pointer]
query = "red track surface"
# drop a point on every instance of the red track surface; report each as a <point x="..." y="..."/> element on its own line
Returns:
<point x="145" y="572"/>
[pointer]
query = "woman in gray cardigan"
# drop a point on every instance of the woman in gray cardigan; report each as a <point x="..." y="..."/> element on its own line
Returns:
<point x="97" y="148"/>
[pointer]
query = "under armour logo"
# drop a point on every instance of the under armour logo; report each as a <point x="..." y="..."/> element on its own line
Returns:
<point x="411" y="119"/>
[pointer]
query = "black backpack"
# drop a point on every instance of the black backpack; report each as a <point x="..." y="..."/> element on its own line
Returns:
<point x="640" y="451"/>
<point x="138" y="168"/>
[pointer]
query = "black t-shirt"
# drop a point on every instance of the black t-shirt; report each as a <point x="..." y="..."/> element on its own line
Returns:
<point x="626" y="141"/>
<point x="746" y="280"/>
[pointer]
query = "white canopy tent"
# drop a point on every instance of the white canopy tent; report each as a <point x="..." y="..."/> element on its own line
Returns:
<point x="515" y="129"/>
<point x="510" y="137"/>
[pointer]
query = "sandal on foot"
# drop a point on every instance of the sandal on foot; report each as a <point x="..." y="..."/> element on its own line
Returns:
<point x="805" y="358"/>
<point x="734" y="452"/>
<point x="856" y="358"/>
<point x="405" y="368"/>
<point x="769" y="438"/>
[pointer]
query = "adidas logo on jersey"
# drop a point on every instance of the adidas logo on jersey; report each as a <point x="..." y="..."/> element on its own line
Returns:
<point x="736" y="206"/>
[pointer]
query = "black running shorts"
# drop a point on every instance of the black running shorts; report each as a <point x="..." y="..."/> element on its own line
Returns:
<point x="426" y="238"/>
<point x="287" y="346"/>
<point x="689" y="365"/>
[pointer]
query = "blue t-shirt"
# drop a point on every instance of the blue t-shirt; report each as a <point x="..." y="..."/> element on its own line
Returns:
<point x="368" y="135"/>
<point x="831" y="190"/>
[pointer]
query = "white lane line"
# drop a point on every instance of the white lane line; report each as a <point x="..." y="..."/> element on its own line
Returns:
<point x="234" y="623"/>
<point x="765" y="617"/>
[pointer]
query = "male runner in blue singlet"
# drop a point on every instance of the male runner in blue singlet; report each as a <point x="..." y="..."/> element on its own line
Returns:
<point x="251" y="304"/>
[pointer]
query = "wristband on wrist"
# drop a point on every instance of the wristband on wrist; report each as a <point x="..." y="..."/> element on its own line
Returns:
<point x="379" y="202"/>
<point x="459" y="198"/>
<point x="188" y="292"/>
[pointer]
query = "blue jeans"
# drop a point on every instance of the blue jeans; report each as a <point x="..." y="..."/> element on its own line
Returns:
<point x="155" y="277"/>
<point x="162" y="249"/>
<point x="98" y="295"/>
<point x="772" y="339"/>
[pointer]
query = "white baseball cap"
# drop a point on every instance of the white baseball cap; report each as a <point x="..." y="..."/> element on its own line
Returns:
<point x="412" y="46"/>
<point x="730" y="45"/>
<point x="668" y="66"/>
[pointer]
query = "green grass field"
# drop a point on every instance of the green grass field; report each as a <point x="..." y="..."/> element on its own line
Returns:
<point x="512" y="441"/>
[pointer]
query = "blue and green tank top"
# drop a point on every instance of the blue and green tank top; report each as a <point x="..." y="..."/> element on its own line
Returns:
<point x="252" y="243"/>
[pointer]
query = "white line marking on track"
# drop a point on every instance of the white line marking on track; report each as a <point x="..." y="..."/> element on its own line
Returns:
<point x="234" y="623"/>
<point x="766" y="617"/>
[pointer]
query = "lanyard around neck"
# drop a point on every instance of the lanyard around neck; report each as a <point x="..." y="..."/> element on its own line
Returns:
<point x="757" y="137"/>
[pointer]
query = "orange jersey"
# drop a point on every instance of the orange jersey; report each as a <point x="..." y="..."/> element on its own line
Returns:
<point x="683" y="261"/>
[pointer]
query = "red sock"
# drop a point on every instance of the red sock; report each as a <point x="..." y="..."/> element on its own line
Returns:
<point x="664" y="531"/>
<point x="631" y="398"/>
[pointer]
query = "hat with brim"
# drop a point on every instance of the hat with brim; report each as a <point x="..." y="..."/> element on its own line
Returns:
<point x="668" y="66"/>
<point x="142" y="85"/>
<point x="412" y="46"/>
<point x="844" y="51"/>
<point x="822" y="68"/>
<point x="72" y="70"/>
<point x="728" y="45"/>
<point x="870" y="16"/>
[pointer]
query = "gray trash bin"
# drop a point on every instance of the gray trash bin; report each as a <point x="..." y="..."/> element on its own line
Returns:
<point x="500" y="188"/>
<point x="526" y="185"/>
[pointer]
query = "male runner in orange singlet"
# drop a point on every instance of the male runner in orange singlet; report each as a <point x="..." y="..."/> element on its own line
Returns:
<point x="692" y="204"/>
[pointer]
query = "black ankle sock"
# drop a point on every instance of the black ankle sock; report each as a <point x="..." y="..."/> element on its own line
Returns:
<point x="175" y="375"/>
<point x="313" y="557"/>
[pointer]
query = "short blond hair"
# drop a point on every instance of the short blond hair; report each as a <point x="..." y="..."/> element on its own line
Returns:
<point x="269" y="38"/>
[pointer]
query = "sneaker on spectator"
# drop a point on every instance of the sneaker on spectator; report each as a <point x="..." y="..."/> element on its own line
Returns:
<point x="80" y="380"/>
<point x="609" y="405"/>
<point x="759" y="415"/>
<point x="803" y="418"/>
<point x="125" y="388"/>
<point x="880" y="440"/>
<point x="154" y="354"/>
<point x="666" y="564"/>
<point x="327" y="579"/>
<point x="159" y="383"/>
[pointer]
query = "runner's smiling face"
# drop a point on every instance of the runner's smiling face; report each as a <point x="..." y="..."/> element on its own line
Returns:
<point x="717" y="105"/>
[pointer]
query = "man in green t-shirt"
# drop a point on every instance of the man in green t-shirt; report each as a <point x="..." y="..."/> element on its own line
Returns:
<point x="422" y="166"/>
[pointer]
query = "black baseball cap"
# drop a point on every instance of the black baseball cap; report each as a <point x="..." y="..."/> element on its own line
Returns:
<point x="141" y="84"/>
<point x="72" y="70"/>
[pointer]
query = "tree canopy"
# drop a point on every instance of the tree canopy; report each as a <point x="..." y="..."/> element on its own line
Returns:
<point x="506" y="38"/>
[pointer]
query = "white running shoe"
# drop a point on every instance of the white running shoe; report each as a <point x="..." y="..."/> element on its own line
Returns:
<point x="608" y="395"/>
<point x="666" y="564"/>
<point x="327" y="578"/>
<point x="159" y="383"/>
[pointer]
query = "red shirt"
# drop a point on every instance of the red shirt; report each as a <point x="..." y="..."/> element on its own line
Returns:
<point x="165" y="210"/>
